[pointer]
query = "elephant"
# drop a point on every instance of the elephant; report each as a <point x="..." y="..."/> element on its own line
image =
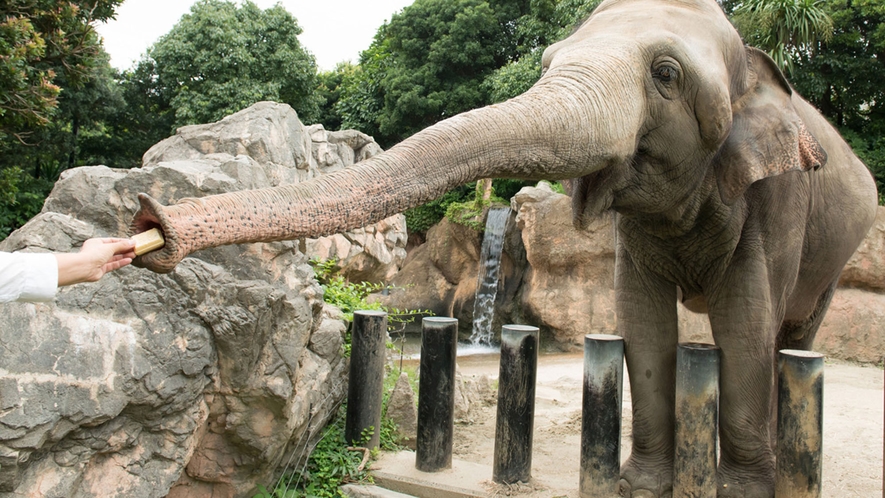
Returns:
<point x="731" y="194"/>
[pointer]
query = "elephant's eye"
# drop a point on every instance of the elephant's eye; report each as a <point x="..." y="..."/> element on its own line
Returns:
<point x="665" y="73"/>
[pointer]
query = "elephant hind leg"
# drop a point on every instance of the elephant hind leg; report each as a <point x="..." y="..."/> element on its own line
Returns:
<point x="799" y="334"/>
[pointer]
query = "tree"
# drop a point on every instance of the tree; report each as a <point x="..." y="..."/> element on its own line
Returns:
<point x="786" y="29"/>
<point x="54" y="83"/>
<point x="40" y="41"/>
<point x="221" y="58"/>
<point x="362" y="98"/>
<point x="547" y="22"/>
<point x="330" y="85"/>
<point x="428" y="63"/>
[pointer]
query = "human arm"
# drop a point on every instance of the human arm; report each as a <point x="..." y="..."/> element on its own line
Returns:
<point x="37" y="276"/>
<point x="28" y="276"/>
<point x="97" y="257"/>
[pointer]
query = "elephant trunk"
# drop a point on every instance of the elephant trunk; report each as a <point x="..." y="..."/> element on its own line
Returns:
<point x="533" y="136"/>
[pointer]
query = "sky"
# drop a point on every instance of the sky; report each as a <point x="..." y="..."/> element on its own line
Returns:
<point x="333" y="30"/>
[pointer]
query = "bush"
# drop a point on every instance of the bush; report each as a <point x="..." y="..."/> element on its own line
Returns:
<point x="22" y="198"/>
<point x="350" y="297"/>
<point x="330" y="465"/>
<point x="333" y="462"/>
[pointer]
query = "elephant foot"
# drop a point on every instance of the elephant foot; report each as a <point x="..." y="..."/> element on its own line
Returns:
<point x="745" y="482"/>
<point x="641" y="478"/>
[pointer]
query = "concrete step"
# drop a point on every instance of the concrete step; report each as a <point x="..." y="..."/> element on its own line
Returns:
<point x="370" y="491"/>
<point x="397" y="472"/>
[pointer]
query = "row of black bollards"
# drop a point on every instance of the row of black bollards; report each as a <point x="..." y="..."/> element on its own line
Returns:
<point x="799" y="423"/>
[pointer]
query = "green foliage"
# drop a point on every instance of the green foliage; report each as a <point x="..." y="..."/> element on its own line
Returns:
<point x="515" y="78"/>
<point x="347" y="296"/>
<point x="41" y="40"/>
<point x="329" y="466"/>
<point x="361" y="97"/>
<point x="547" y="22"/>
<point x="428" y="64"/>
<point x="470" y="213"/>
<point x="350" y="297"/>
<point x="330" y="85"/>
<point x="21" y="198"/>
<point x="870" y="150"/>
<point x="221" y="58"/>
<point x="333" y="463"/>
<point x="786" y="29"/>
<point x="421" y="218"/>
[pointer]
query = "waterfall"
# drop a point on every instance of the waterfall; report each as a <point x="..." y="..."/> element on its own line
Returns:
<point x="489" y="271"/>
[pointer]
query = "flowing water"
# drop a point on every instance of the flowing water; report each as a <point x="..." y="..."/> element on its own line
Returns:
<point x="489" y="272"/>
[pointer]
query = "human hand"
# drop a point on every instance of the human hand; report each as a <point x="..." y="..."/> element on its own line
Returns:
<point x="97" y="257"/>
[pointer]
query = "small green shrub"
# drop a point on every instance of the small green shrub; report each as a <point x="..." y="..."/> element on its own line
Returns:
<point x="350" y="297"/>
<point x="421" y="218"/>
<point x="329" y="466"/>
<point x="467" y="214"/>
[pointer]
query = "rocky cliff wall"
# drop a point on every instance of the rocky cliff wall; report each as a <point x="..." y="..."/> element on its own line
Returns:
<point x="205" y="381"/>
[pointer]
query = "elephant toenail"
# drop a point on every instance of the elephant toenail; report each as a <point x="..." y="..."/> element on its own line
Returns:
<point x="643" y="493"/>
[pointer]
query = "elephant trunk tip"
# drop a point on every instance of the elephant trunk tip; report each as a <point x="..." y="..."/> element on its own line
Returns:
<point x="151" y="214"/>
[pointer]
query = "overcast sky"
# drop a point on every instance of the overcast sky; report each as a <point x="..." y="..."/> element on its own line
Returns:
<point x="334" y="30"/>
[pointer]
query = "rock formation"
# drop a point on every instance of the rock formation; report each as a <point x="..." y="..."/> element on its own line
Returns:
<point x="562" y="280"/>
<point x="202" y="382"/>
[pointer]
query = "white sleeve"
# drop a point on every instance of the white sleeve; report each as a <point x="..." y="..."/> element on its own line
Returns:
<point x="28" y="276"/>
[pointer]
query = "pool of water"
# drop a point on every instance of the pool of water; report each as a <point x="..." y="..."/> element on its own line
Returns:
<point x="410" y="345"/>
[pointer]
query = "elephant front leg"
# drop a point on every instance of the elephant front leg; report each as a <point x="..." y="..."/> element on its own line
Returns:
<point x="741" y="318"/>
<point x="646" y="310"/>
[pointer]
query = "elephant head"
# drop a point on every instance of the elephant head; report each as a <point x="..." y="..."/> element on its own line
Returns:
<point x="636" y="108"/>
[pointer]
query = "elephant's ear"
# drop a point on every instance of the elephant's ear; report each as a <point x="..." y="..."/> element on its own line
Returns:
<point x="767" y="136"/>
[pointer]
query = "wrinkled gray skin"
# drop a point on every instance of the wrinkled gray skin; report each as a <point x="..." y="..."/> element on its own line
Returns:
<point x="732" y="194"/>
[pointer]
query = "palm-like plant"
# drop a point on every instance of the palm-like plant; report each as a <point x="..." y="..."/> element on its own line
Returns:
<point x="786" y="29"/>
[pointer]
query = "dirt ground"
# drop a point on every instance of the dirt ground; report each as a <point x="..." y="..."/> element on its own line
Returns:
<point x="853" y="425"/>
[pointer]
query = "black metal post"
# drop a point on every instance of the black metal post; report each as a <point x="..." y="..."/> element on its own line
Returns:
<point x="516" y="404"/>
<point x="601" y="415"/>
<point x="800" y="394"/>
<point x="436" y="394"/>
<point x="697" y="417"/>
<point x="368" y="352"/>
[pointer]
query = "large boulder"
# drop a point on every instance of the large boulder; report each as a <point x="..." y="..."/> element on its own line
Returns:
<point x="564" y="281"/>
<point x="201" y="382"/>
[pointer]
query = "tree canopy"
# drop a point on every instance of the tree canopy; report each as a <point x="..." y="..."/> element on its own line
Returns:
<point x="221" y="58"/>
<point x="40" y="41"/>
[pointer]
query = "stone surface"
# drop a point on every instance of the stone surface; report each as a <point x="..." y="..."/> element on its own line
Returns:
<point x="562" y="280"/>
<point x="471" y="393"/>
<point x="402" y="409"/>
<point x="202" y="382"/>
<point x="570" y="288"/>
